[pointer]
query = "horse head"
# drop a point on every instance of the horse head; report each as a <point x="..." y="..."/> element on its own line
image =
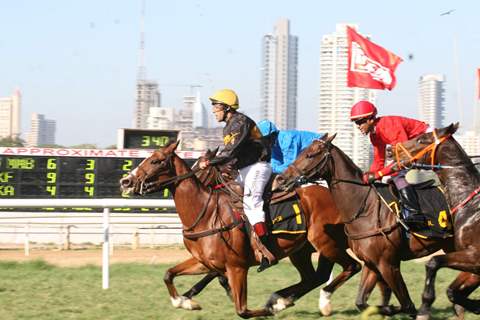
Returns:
<point x="310" y="164"/>
<point x="153" y="172"/>
<point x="423" y="148"/>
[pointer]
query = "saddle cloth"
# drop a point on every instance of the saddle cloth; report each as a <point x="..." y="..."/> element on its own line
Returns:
<point x="283" y="212"/>
<point x="286" y="215"/>
<point x="433" y="205"/>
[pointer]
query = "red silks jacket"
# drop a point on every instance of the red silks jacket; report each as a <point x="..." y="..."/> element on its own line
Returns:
<point x="392" y="130"/>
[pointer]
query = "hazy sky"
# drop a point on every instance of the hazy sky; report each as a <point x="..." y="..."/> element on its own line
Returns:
<point x="76" y="61"/>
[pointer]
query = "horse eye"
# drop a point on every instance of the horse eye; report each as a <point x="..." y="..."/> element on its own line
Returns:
<point x="156" y="161"/>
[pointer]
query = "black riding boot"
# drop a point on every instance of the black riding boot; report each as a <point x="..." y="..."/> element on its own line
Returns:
<point x="265" y="262"/>
<point x="411" y="212"/>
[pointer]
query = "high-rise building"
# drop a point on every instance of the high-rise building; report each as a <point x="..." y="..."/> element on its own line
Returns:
<point x="470" y="142"/>
<point x="200" y="115"/>
<point x="161" y="118"/>
<point x="278" y="92"/>
<point x="431" y="99"/>
<point x="336" y="99"/>
<point x="42" y="131"/>
<point x="148" y="97"/>
<point x="10" y="109"/>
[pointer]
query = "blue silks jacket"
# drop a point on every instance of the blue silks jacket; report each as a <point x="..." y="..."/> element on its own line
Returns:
<point x="287" y="145"/>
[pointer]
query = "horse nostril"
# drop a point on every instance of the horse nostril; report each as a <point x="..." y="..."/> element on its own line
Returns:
<point x="125" y="182"/>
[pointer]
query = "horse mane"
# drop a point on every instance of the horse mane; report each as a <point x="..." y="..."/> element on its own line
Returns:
<point x="347" y="159"/>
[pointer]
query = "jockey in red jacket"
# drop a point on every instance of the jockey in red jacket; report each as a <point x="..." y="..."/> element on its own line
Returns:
<point x="383" y="130"/>
<point x="389" y="130"/>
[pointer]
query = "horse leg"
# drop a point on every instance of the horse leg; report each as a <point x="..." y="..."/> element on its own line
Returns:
<point x="367" y="283"/>
<point x="350" y="268"/>
<point x="458" y="292"/>
<point x="466" y="260"/>
<point x="309" y="279"/>
<point x="393" y="278"/>
<point x="199" y="286"/>
<point x="188" y="267"/>
<point x="237" y="279"/>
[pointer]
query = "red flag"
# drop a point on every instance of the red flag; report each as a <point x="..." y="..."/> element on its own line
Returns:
<point x="369" y="65"/>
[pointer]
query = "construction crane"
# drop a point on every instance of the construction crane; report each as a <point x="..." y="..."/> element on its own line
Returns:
<point x="191" y="86"/>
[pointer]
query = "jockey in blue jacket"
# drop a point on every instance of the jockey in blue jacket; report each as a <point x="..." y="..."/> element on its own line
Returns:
<point x="286" y="144"/>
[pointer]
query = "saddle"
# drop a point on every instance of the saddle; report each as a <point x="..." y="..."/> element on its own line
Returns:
<point x="283" y="211"/>
<point x="433" y="205"/>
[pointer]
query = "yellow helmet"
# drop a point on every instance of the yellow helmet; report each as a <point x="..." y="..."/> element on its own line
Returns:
<point x="226" y="96"/>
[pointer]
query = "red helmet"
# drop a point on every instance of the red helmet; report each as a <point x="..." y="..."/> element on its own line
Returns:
<point x="362" y="109"/>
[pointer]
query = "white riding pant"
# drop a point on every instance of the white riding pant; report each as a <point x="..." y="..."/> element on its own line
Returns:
<point x="253" y="179"/>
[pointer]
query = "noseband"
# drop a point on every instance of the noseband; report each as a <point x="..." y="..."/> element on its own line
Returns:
<point x="306" y="174"/>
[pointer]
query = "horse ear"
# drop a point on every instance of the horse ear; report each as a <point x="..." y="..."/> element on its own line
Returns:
<point x="453" y="127"/>
<point x="173" y="146"/>
<point x="329" y="139"/>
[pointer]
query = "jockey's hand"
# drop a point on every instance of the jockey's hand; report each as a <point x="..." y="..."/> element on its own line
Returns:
<point x="203" y="164"/>
<point x="369" y="177"/>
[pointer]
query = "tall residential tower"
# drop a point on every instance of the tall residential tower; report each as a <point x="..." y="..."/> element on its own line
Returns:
<point x="336" y="99"/>
<point x="278" y="92"/>
<point x="42" y="131"/>
<point x="10" y="109"/>
<point x="431" y="107"/>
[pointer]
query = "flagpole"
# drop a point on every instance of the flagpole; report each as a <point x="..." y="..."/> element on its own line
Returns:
<point x="457" y="79"/>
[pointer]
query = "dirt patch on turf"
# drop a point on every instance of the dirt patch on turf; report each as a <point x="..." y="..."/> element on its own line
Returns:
<point x="81" y="257"/>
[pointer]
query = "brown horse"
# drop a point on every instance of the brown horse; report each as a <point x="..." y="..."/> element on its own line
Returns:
<point x="372" y="228"/>
<point x="219" y="245"/>
<point x="462" y="183"/>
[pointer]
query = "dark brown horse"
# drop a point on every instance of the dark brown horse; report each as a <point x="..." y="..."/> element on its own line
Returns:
<point x="219" y="245"/>
<point x="372" y="228"/>
<point x="462" y="183"/>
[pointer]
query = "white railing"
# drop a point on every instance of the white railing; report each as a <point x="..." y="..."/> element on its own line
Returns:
<point x="106" y="204"/>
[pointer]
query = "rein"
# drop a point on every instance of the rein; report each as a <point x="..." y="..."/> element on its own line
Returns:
<point x="399" y="147"/>
<point x="433" y="147"/>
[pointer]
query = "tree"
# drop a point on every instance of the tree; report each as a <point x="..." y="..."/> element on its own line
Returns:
<point x="84" y="146"/>
<point x="12" y="142"/>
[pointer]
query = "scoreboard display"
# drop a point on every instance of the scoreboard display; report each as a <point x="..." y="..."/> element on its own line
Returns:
<point x="145" y="138"/>
<point x="70" y="173"/>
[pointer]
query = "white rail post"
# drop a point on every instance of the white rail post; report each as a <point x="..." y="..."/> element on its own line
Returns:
<point x="105" y="248"/>
<point x="26" y="245"/>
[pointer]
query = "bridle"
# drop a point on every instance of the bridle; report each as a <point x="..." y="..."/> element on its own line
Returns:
<point x="431" y="148"/>
<point x="307" y="174"/>
<point x="167" y="169"/>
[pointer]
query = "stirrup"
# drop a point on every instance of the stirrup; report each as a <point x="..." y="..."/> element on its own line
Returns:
<point x="264" y="264"/>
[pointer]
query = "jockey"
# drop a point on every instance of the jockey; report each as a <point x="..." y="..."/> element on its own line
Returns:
<point x="390" y="130"/>
<point x="286" y="144"/>
<point x="245" y="151"/>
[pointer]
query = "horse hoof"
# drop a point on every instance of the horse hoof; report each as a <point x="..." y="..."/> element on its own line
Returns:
<point x="185" y="303"/>
<point x="370" y="311"/>
<point x="422" y="317"/>
<point x="324" y="304"/>
<point x="326" y="310"/>
<point x="281" y="304"/>
<point x="459" y="312"/>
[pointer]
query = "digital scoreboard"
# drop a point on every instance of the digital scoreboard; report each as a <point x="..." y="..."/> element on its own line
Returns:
<point x="70" y="173"/>
<point x="145" y="139"/>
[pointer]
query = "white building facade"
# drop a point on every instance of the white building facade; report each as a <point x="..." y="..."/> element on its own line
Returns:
<point x="10" y="110"/>
<point x="431" y="99"/>
<point x="278" y="91"/>
<point x="336" y="99"/>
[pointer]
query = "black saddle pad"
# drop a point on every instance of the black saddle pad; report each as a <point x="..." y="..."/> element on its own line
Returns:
<point x="433" y="205"/>
<point x="287" y="216"/>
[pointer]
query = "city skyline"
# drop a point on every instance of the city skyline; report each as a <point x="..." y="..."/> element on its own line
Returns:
<point x="83" y="70"/>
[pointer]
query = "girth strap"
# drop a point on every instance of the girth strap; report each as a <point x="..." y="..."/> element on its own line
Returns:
<point x="383" y="231"/>
<point x="205" y="233"/>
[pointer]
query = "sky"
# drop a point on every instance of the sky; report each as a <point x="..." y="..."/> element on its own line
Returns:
<point x="76" y="61"/>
